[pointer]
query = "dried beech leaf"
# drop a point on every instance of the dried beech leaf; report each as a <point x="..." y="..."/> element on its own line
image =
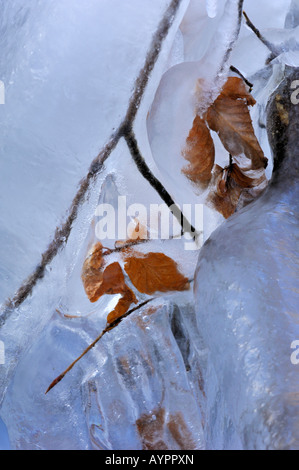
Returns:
<point x="151" y="429"/>
<point x="243" y="180"/>
<point x="226" y="205"/>
<point x="232" y="185"/>
<point x="122" y="306"/>
<point x="113" y="281"/>
<point x="225" y="196"/>
<point x="200" y="152"/>
<point x="154" y="272"/>
<point x="221" y="184"/>
<point x="235" y="89"/>
<point x="230" y="118"/>
<point x="97" y="282"/>
<point x="137" y="232"/>
<point x="92" y="272"/>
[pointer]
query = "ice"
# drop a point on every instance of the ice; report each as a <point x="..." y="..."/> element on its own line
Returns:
<point x="167" y="377"/>
<point x="246" y="293"/>
<point x="62" y="66"/>
<point x="175" y="105"/>
<point x="212" y="6"/>
<point x="4" y="441"/>
<point x="49" y="340"/>
<point x="247" y="307"/>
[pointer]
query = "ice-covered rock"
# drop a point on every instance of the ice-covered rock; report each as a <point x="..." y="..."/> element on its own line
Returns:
<point x="247" y="297"/>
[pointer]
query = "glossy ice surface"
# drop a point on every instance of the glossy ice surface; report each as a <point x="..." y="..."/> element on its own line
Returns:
<point x="170" y="376"/>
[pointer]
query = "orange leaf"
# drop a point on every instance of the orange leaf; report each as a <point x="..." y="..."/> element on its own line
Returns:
<point x="97" y="282"/>
<point x="113" y="280"/>
<point x="92" y="272"/>
<point x="229" y="184"/>
<point x="235" y="89"/>
<point x="122" y="306"/>
<point x="230" y="118"/>
<point x="200" y="152"/>
<point x="154" y="272"/>
<point x="243" y="180"/>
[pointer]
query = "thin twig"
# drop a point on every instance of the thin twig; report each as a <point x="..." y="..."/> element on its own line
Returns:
<point x="237" y="71"/>
<point x="108" y="328"/>
<point x="272" y="48"/>
<point x="157" y="185"/>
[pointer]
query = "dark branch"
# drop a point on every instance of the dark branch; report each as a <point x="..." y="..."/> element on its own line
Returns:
<point x="248" y="83"/>
<point x="275" y="50"/>
<point x="157" y="185"/>
<point x="233" y="40"/>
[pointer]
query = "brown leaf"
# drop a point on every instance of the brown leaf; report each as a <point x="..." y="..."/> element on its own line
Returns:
<point x="226" y="193"/>
<point x="243" y="180"/>
<point x="151" y="429"/>
<point x="122" y="306"/>
<point x="229" y="184"/>
<point x="97" y="281"/>
<point x="200" y="152"/>
<point x="154" y="272"/>
<point x="113" y="281"/>
<point x="92" y="272"/>
<point x="235" y="89"/>
<point x="230" y="118"/>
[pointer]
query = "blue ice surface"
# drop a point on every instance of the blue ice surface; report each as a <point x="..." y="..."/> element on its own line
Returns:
<point x="4" y="441"/>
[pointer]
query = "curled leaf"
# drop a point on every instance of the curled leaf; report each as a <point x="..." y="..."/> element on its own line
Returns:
<point x="122" y="306"/>
<point x="96" y="280"/>
<point x="92" y="272"/>
<point x="235" y="89"/>
<point x="229" y="116"/>
<point x="200" y="152"/>
<point x="224" y="198"/>
<point x="154" y="272"/>
<point x="243" y="179"/>
<point x="234" y="188"/>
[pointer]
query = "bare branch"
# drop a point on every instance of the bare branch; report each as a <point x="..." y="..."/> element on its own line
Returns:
<point x="108" y="328"/>
<point x="157" y="185"/>
<point x="272" y="48"/>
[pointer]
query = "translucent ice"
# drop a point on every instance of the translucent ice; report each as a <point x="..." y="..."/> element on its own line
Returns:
<point x="211" y="6"/>
<point x="68" y="69"/>
<point x="247" y="300"/>
<point x="157" y="380"/>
